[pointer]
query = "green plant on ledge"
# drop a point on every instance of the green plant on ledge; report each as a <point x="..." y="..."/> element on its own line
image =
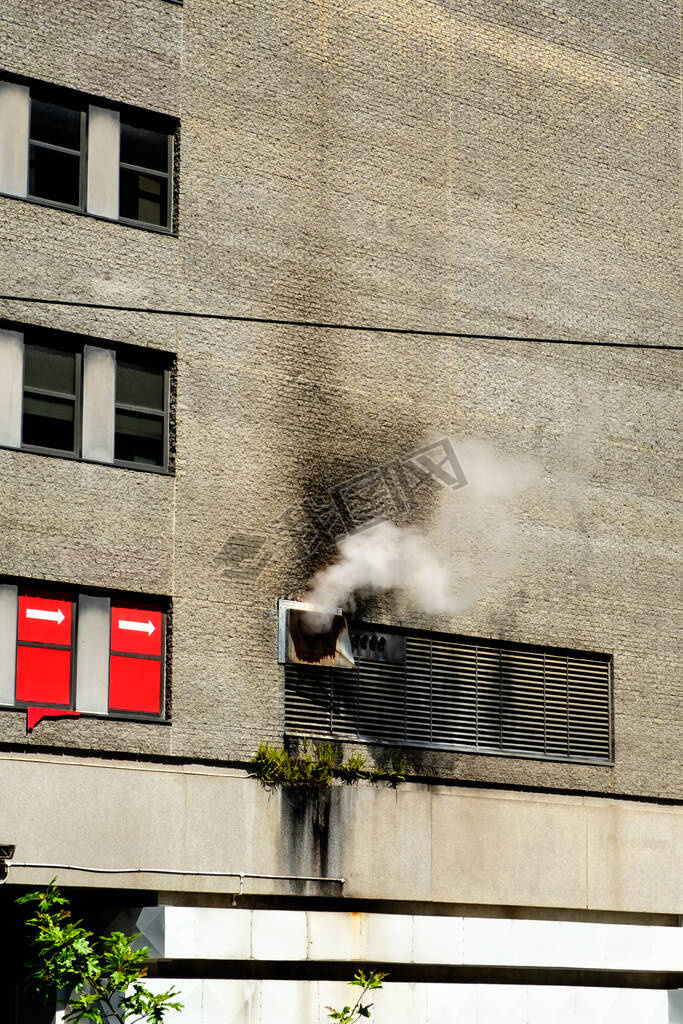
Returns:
<point x="275" y="766"/>
<point x="353" y="769"/>
<point x="393" y="771"/>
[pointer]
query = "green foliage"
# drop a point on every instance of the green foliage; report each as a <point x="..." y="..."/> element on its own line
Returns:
<point x="324" y="765"/>
<point x="353" y="769"/>
<point x="102" y="974"/>
<point x="276" y="766"/>
<point x="351" y="1014"/>
<point x="393" y="771"/>
<point x="273" y="766"/>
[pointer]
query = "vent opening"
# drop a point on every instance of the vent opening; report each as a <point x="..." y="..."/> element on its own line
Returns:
<point x="457" y="693"/>
<point x="309" y="635"/>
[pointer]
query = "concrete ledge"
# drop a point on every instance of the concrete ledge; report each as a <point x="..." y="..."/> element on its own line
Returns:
<point x="415" y="843"/>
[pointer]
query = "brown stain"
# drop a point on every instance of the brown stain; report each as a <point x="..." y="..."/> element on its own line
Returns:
<point x="311" y="646"/>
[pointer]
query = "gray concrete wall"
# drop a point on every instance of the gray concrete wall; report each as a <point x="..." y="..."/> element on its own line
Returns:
<point x="268" y="416"/>
<point x="422" y="843"/>
<point x="476" y="169"/>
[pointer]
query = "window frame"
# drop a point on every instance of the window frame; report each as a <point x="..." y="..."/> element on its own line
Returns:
<point x="75" y="453"/>
<point x="65" y="594"/>
<point x="140" y="356"/>
<point x="140" y="716"/>
<point x="153" y="120"/>
<point x="68" y="592"/>
<point x="163" y="415"/>
<point x="169" y="175"/>
<point x="36" y="94"/>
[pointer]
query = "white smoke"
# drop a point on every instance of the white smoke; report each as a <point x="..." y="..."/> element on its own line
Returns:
<point x="475" y="539"/>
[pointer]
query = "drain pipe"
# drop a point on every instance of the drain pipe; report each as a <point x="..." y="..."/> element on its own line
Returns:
<point x="177" y="871"/>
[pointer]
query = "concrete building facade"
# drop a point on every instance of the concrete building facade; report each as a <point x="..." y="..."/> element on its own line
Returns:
<point x="256" y="259"/>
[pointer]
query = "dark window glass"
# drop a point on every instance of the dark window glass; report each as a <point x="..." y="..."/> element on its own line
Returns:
<point x="137" y="385"/>
<point x="49" y="368"/>
<point x="48" y="422"/>
<point x="139" y="438"/>
<point x="144" y="148"/>
<point x="54" y="175"/>
<point x="60" y="126"/>
<point x="143" y="197"/>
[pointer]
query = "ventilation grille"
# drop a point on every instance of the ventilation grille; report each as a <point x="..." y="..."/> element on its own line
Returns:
<point x="458" y="694"/>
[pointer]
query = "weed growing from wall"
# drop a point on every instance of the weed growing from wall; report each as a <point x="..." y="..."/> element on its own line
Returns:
<point x="275" y="766"/>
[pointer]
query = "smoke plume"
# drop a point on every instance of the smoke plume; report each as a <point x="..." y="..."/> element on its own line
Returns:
<point x="474" y="540"/>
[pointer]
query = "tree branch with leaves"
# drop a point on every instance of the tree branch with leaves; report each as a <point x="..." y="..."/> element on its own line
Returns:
<point x="102" y="975"/>
<point x="351" y="1014"/>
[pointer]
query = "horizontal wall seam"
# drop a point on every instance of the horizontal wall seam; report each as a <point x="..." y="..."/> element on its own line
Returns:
<point x="333" y="970"/>
<point x="327" y="325"/>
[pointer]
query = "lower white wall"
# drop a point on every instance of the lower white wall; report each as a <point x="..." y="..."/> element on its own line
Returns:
<point x="304" y="1002"/>
<point x="212" y="933"/>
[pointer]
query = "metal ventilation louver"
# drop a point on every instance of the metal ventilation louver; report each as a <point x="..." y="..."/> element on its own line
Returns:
<point x="457" y="693"/>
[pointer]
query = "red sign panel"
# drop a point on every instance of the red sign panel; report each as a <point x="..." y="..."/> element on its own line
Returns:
<point x="135" y="684"/>
<point x="44" y="620"/>
<point x="43" y="675"/>
<point x="136" y="630"/>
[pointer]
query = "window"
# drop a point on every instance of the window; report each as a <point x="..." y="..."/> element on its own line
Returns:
<point x="141" y="427"/>
<point x="81" y="653"/>
<point x="144" y="183"/>
<point x="51" y="398"/>
<point x="135" y="663"/>
<point x="457" y="693"/>
<point x="62" y="395"/>
<point x="59" y="147"/>
<point x="56" y="148"/>
<point x="45" y="628"/>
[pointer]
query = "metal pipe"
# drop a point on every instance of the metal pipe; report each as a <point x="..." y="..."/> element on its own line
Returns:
<point x="176" y="871"/>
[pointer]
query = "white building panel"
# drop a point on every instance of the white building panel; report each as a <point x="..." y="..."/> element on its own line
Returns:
<point x="211" y="933"/>
<point x="207" y="933"/>
<point x="279" y="935"/>
<point x="11" y="385"/>
<point x="92" y="654"/>
<point x="571" y="944"/>
<point x="676" y="1006"/>
<point x="15" y="106"/>
<point x="8" y="642"/>
<point x="437" y="940"/>
<point x="99" y="392"/>
<point x="334" y="936"/>
<point x="305" y="1002"/>
<point x="104" y="139"/>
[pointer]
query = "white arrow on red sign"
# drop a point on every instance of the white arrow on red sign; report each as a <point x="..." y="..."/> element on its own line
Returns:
<point x="40" y="613"/>
<point x="138" y="627"/>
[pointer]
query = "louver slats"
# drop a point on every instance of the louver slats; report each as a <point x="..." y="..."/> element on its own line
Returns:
<point x="462" y="694"/>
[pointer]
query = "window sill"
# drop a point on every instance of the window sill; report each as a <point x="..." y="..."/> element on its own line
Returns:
<point x="514" y="754"/>
<point x="71" y="457"/>
<point x="69" y="713"/>
<point x="94" y="216"/>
